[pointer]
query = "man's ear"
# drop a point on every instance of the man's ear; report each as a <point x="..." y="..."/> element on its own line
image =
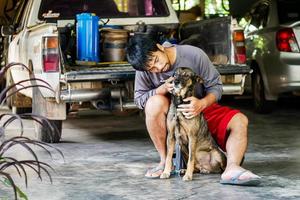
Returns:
<point x="160" y="47"/>
<point x="199" y="79"/>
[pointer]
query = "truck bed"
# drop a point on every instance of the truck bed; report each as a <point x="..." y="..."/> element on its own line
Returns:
<point x="124" y="71"/>
<point x="100" y="71"/>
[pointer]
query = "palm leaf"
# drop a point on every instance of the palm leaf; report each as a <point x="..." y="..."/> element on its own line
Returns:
<point x="43" y="166"/>
<point x="21" y="165"/>
<point x="11" y="119"/>
<point x="14" y="141"/>
<point x="21" y="193"/>
<point x="4" y="69"/>
<point x="16" y="164"/>
<point x="3" y="96"/>
<point x="40" y="120"/>
<point x="10" y="182"/>
<point x="17" y="190"/>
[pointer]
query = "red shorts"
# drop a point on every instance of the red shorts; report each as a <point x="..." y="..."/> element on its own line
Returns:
<point x="218" y="117"/>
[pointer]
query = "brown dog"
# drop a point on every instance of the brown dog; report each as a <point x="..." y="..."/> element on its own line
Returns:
<point x="197" y="145"/>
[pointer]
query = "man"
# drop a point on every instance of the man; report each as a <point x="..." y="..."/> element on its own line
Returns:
<point x="155" y="65"/>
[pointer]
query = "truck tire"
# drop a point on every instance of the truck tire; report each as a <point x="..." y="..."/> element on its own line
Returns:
<point x="49" y="109"/>
<point x="44" y="132"/>
<point x="261" y="105"/>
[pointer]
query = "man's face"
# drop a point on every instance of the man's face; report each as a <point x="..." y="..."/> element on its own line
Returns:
<point x="159" y="62"/>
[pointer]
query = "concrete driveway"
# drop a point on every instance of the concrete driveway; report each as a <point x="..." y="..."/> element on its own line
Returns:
<point x="106" y="158"/>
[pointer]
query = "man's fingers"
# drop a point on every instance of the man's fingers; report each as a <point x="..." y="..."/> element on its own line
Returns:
<point x="183" y="106"/>
<point x="188" y="115"/>
<point x="169" y="80"/>
<point x="185" y="109"/>
<point x="188" y="99"/>
<point x="168" y="86"/>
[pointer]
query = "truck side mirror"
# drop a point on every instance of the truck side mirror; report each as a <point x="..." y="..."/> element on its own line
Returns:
<point x="7" y="30"/>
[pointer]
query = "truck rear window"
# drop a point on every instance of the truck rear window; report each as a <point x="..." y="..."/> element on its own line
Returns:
<point x="288" y="11"/>
<point x="67" y="9"/>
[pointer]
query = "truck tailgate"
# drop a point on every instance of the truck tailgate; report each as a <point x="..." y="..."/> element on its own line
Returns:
<point x="101" y="71"/>
<point x="124" y="71"/>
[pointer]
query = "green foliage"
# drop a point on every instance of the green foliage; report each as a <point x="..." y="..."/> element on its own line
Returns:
<point x="184" y="4"/>
<point x="216" y="8"/>
<point x="20" y="193"/>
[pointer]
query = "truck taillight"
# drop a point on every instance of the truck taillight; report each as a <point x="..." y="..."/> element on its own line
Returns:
<point x="239" y="47"/>
<point x="50" y="54"/>
<point x="286" y="40"/>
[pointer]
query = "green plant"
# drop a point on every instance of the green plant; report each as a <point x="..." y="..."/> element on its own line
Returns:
<point x="21" y="166"/>
<point x="33" y="82"/>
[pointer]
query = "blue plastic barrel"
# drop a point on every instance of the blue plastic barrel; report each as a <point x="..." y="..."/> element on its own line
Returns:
<point x="87" y="37"/>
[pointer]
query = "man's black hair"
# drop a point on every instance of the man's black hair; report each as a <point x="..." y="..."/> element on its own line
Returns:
<point x="139" y="51"/>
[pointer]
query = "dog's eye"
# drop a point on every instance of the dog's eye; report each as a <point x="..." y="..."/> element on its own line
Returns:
<point x="186" y="76"/>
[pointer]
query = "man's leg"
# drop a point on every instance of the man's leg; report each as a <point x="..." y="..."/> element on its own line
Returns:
<point x="156" y="111"/>
<point x="236" y="146"/>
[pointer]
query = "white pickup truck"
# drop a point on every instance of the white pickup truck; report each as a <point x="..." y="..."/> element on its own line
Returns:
<point x="44" y="38"/>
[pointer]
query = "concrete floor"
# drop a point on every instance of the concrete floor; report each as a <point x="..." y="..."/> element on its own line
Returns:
<point x="106" y="158"/>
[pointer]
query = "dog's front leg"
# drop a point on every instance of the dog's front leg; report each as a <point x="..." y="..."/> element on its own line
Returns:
<point x="170" y="149"/>
<point x="191" y="161"/>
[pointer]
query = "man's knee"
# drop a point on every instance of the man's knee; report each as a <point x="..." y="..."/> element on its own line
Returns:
<point x="239" y="124"/>
<point x="156" y="105"/>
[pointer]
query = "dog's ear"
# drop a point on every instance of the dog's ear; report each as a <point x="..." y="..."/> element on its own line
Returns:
<point x="198" y="79"/>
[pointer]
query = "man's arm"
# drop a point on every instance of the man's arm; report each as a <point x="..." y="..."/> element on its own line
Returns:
<point x="166" y="87"/>
<point x="143" y="89"/>
<point x="211" y="76"/>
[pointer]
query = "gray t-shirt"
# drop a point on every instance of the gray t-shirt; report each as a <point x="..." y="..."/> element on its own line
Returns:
<point x="186" y="56"/>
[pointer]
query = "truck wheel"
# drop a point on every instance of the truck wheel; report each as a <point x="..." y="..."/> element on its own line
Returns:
<point x="44" y="132"/>
<point x="261" y="105"/>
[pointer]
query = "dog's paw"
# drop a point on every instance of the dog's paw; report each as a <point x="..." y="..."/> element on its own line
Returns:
<point x="165" y="175"/>
<point x="204" y="171"/>
<point x="187" y="177"/>
<point x="182" y="171"/>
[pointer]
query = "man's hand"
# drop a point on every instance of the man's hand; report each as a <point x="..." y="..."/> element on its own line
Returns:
<point x="194" y="108"/>
<point x="169" y="84"/>
<point x="167" y="87"/>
